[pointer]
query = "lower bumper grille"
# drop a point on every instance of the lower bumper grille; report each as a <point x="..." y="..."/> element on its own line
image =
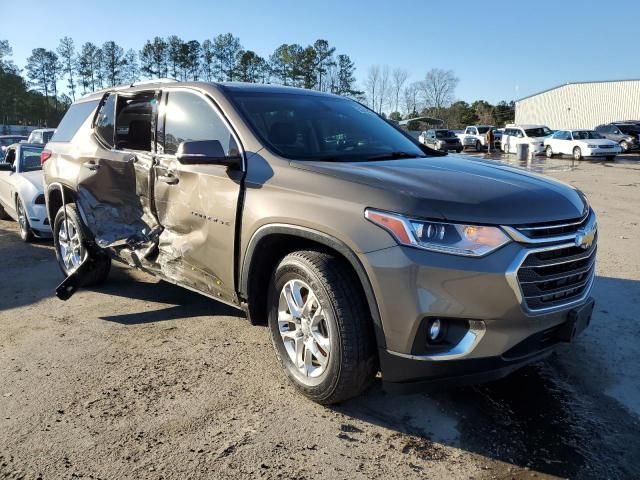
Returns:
<point x="556" y="276"/>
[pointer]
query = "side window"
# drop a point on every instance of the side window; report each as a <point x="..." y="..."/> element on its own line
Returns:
<point x="10" y="156"/>
<point x="105" y="122"/>
<point x="135" y="121"/>
<point x="615" y="130"/>
<point x="557" y="136"/>
<point x="37" y="137"/>
<point x="189" y="117"/>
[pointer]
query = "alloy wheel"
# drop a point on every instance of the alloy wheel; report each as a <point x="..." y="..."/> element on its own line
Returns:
<point x="23" y="222"/>
<point x="70" y="247"/>
<point x="304" y="330"/>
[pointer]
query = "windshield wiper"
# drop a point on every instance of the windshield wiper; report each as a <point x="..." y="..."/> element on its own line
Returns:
<point x="394" y="156"/>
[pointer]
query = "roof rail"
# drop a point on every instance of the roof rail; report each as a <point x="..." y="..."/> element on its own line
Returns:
<point x="153" y="80"/>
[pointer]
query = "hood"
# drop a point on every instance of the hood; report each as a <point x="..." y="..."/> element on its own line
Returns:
<point x="34" y="178"/>
<point x="597" y="141"/>
<point x="460" y="189"/>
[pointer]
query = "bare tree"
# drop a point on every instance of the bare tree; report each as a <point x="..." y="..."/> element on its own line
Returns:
<point x="438" y="88"/>
<point x="385" y="88"/>
<point x="372" y="84"/>
<point x="398" y="79"/>
<point x="410" y="97"/>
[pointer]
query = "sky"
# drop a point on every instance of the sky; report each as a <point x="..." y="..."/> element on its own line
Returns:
<point x="500" y="50"/>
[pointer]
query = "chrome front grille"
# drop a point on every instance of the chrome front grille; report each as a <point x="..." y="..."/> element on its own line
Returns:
<point x="557" y="275"/>
<point x="553" y="229"/>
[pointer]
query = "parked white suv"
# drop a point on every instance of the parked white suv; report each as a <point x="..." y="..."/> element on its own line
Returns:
<point x="533" y="135"/>
<point x="579" y="144"/>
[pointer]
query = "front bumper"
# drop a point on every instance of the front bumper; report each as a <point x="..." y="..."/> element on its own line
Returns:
<point x="412" y="285"/>
<point x="601" y="152"/>
<point x="38" y="220"/>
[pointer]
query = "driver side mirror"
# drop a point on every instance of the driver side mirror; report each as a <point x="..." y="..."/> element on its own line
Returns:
<point x="206" y="152"/>
<point x="6" y="167"/>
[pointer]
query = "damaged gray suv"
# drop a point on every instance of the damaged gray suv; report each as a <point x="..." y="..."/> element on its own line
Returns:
<point x="362" y="249"/>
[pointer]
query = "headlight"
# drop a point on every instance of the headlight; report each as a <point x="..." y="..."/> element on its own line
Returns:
<point x="452" y="238"/>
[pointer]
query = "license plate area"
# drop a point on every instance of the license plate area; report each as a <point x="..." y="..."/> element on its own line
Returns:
<point x="577" y="320"/>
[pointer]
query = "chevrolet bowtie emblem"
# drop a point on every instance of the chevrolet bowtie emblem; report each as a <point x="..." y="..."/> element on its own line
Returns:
<point x="584" y="238"/>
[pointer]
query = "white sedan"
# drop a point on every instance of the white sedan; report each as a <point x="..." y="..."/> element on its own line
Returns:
<point x="21" y="190"/>
<point x="580" y="144"/>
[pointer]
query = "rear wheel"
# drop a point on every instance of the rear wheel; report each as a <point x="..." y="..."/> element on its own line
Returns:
<point x="26" y="234"/>
<point x="320" y="327"/>
<point x="577" y="153"/>
<point x="70" y="242"/>
<point x="459" y="149"/>
<point x="505" y="148"/>
<point x="549" y="151"/>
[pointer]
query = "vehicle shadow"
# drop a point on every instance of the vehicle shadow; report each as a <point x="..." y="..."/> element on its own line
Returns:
<point x="183" y="303"/>
<point x="553" y="417"/>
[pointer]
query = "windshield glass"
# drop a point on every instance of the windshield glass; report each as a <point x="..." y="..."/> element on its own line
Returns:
<point x="313" y="127"/>
<point x="586" y="135"/>
<point x="4" y="142"/>
<point x="538" y="132"/>
<point x="629" y="129"/>
<point x="444" y="134"/>
<point x="30" y="159"/>
<point x="483" y="129"/>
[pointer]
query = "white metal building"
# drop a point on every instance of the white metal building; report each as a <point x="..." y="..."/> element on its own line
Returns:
<point x="581" y="105"/>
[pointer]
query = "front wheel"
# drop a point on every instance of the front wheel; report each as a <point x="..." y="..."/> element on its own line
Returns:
<point x="505" y="148"/>
<point x="26" y="234"/>
<point x="577" y="153"/>
<point x="320" y="327"/>
<point x="459" y="150"/>
<point x="70" y="242"/>
<point x="478" y="146"/>
<point x="625" y="146"/>
<point x="548" y="151"/>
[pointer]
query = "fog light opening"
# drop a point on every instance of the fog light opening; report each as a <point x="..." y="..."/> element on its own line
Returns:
<point x="435" y="330"/>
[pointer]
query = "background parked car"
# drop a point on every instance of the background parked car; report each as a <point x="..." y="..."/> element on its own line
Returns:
<point x="6" y="140"/>
<point x="579" y="144"/>
<point x="22" y="191"/>
<point x="41" y="135"/>
<point x="626" y="134"/>
<point x="475" y="136"/>
<point x="441" y="139"/>
<point x="533" y="135"/>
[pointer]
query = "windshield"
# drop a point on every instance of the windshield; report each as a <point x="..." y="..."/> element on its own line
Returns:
<point x="483" y="129"/>
<point x="314" y="127"/>
<point x="30" y="159"/>
<point x="445" y="134"/>
<point x="538" y="132"/>
<point x="5" y="142"/>
<point x="629" y="129"/>
<point x="586" y="135"/>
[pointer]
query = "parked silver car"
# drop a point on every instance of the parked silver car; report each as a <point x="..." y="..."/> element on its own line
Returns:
<point x="627" y="135"/>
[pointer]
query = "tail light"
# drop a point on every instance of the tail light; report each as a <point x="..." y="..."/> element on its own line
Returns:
<point x="44" y="156"/>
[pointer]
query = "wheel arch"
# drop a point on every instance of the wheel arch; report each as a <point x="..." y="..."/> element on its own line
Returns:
<point x="271" y="243"/>
<point x="57" y="195"/>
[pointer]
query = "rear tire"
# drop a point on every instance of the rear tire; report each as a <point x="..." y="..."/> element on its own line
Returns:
<point x="318" y="310"/>
<point x="26" y="234"/>
<point x="71" y="252"/>
<point x="505" y="148"/>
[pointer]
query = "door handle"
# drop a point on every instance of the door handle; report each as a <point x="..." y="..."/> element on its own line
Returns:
<point x="169" y="178"/>
<point x="91" y="165"/>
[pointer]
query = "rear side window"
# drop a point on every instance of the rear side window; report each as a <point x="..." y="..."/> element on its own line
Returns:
<point x="72" y="120"/>
<point x="106" y="120"/>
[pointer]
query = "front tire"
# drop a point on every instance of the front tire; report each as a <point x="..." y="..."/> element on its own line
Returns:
<point x="577" y="153"/>
<point x="625" y="146"/>
<point x="70" y="239"/>
<point x="26" y="234"/>
<point x="478" y="146"/>
<point x="321" y="327"/>
<point x="548" y="151"/>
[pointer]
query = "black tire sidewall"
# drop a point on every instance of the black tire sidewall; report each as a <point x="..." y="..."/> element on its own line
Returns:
<point x="296" y="269"/>
<point x="26" y="234"/>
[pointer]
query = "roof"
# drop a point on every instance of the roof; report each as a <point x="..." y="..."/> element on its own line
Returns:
<point x="525" y="126"/>
<point x="228" y="86"/>
<point x="577" y="83"/>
